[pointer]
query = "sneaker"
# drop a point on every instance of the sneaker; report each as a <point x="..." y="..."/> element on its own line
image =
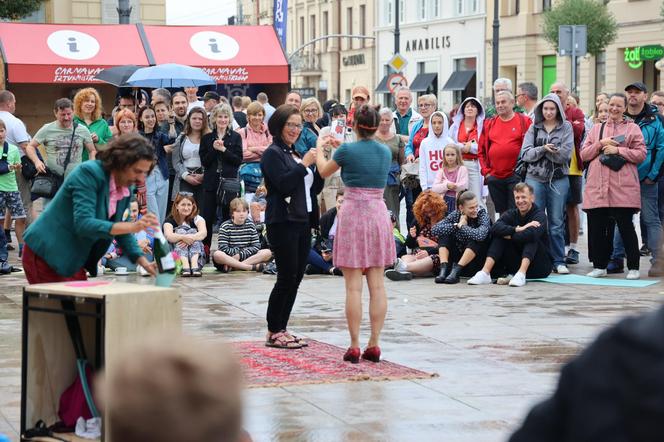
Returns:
<point x="504" y="280"/>
<point x="480" y="278"/>
<point x="633" y="274"/>
<point x="597" y="273"/>
<point x="656" y="270"/>
<point x="572" y="257"/>
<point x="400" y="266"/>
<point x="644" y="250"/>
<point x="518" y="280"/>
<point x="395" y="275"/>
<point x="561" y="269"/>
<point x="615" y="266"/>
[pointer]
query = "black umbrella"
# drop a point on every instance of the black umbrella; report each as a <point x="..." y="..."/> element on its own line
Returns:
<point x="118" y="75"/>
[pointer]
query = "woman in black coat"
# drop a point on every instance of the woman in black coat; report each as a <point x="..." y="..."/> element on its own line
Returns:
<point x="221" y="156"/>
<point x="292" y="187"/>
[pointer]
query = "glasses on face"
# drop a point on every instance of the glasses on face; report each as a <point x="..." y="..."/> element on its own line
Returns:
<point x="294" y="126"/>
<point x="185" y="193"/>
<point x="311" y="111"/>
<point x="425" y="105"/>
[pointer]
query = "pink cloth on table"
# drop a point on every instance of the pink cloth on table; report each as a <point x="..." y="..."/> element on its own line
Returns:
<point x="116" y="194"/>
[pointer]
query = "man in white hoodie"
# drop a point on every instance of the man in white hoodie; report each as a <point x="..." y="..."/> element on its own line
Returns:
<point x="431" y="150"/>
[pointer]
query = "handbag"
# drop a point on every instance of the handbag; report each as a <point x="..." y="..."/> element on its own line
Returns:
<point x="614" y="162"/>
<point x="394" y="174"/>
<point x="228" y="188"/>
<point x="46" y="185"/>
<point x="4" y="162"/>
<point x="410" y="174"/>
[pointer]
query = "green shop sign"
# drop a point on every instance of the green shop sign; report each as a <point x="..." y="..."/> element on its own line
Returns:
<point x="636" y="56"/>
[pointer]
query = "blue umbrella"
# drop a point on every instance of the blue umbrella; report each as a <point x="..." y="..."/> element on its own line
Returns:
<point x="170" y="75"/>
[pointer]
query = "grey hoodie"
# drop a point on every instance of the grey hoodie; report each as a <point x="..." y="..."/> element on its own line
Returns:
<point x="545" y="166"/>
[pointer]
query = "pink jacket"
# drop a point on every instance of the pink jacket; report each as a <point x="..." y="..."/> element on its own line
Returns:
<point x="608" y="188"/>
<point x="441" y="181"/>
<point x="254" y="143"/>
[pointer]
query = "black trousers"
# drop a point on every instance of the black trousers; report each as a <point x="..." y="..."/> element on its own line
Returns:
<point x="452" y="246"/>
<point x="290" y="244"/>
<point x="600" y="221"/>
<point x="169" y="204"/>
<point x="508" y="255"/>
<point x="209" y="213"/>
<point x="502" y="192"/>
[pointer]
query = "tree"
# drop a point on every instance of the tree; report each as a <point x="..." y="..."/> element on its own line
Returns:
<point x="17" y="9"/>
<point x="601" y="24"/>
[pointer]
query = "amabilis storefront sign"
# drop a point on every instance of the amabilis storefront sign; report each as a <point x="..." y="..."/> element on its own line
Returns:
<point x="634" y="57"/>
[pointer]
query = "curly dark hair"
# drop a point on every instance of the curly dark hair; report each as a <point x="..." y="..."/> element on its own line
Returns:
<point x="126" y="150"/>
<point x="429" y="208"/>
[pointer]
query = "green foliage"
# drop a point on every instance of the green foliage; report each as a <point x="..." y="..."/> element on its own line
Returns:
<point x="17" y="9"/>
<point x="601" y="24"/>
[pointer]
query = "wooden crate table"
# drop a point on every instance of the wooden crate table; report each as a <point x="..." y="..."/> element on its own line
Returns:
<point x="112" y="315"/>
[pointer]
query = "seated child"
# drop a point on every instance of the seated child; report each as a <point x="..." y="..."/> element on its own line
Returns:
<point x="186" y="230"/>
<point x="238" y="242"/>
<point x="114" y="257"/>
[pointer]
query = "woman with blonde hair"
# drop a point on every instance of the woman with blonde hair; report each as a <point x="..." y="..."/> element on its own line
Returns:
<point x="87" y="112"/>
<point x="256" y="139"/>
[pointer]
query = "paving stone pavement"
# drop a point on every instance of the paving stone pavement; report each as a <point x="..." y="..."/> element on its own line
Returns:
<point x="497" y="350"/>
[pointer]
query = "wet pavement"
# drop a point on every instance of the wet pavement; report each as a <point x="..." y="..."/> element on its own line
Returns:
<point x="497" y="351"/>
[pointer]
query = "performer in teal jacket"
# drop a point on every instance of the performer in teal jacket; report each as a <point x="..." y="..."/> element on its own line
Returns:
<point x="89" y="210"/>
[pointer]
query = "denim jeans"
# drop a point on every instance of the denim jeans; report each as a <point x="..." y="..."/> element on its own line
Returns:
<point x="650" y="219"/>
<point x="157" y="194"/>
<point x="552" y="197"/>
<point x="3" y="246"/>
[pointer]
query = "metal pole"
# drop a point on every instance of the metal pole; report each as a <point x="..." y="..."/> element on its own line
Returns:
<point x="124" y="12"/>
<point x="573" y="60"/>
<point x="496" y="37"/>
<point x="397" y="32"/>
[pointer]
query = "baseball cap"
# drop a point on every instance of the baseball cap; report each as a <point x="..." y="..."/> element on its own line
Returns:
<point x="637" y="85"/>
<point x="360" y="91"/>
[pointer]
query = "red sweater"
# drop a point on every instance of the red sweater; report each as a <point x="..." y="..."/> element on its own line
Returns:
<point x="500" y="145"/>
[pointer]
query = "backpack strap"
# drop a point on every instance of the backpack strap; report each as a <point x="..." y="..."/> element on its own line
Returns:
<point x="601" y="130"/>
<point x="5" y="150"/>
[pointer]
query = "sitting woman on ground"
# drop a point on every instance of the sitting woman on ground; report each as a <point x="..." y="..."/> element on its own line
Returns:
<point x="463" y="239"/>
<point x="185" y="230"/>
<point x="319" y="261"/>
<point x="239" y="246"/>
<point x="429" y="209"/>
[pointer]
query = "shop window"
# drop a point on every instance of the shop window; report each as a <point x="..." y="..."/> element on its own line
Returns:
<point x="465" y="64"/>
<point x="548" y="73"/>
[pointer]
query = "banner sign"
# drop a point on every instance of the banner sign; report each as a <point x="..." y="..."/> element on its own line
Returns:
<point x="280" y="17"/>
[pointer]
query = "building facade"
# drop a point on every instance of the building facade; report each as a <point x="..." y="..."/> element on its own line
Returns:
<point x="327" y="68"/>
<point x="442" y="42"/>
<point x="149" y="12"/>
<point x="524" y="55"/>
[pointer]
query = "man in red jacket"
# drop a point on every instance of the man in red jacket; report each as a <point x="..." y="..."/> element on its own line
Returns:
<point x="499" y="147"/>
<point x="575" y="196"/>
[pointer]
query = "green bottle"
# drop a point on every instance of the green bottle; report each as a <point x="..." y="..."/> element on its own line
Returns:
<point x="164" y="260"/>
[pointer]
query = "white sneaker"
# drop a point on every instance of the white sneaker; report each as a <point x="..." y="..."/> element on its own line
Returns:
<point x="141" y="271"/>
<point x="504" y="280"/>
<point x="597" y="273"/>
<point x="633" y="274"/>
<point x="518" y="280"/>
<point x="480" y="278"/>
<point x="562" y="269"/>
<point x="400" y="266"/>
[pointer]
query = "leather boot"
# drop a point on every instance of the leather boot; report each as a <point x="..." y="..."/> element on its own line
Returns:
<point x="444" y="267"/>
<point x="453" y="277"/>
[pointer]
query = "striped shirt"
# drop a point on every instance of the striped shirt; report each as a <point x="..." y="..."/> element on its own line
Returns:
<point x="239" y="240"/>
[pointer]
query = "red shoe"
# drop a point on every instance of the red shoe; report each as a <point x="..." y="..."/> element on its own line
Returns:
<point x="352" y="355"/>
<point x="372" y="354"/>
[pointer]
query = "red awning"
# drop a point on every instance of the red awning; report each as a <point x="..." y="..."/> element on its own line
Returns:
<point x="46" y="53"/>
<point x="230" y="54"/>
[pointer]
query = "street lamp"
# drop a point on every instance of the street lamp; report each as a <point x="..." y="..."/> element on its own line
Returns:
<point x="496" y="36"/>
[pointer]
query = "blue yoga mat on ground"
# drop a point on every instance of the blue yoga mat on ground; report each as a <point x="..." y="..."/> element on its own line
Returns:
<point x="587" y="280"/>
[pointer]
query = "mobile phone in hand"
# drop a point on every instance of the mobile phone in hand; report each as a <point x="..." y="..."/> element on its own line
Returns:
<point x="337" y="129"/>
<point x="619" y="139"/>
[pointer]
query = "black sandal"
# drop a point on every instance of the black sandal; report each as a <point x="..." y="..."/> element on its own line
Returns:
<point x="282" y="340"/>
<point x="297" y="339"/>
<point x="258" y="267"/>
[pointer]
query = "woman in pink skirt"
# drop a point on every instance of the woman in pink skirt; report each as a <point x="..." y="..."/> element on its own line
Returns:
<point x="364" y="241"/>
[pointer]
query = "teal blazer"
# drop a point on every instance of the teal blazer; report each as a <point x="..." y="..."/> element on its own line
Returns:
<point x="74" y="231"/>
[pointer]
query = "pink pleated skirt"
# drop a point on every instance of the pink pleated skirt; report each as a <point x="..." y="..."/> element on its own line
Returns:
<point x="364" y="235"/>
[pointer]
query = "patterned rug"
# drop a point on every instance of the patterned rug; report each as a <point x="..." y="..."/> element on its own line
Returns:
<point x="319" y="363"/>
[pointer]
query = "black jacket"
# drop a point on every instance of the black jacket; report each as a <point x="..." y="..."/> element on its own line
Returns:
<point x="509" y="220"/>
<point x="213" y="160"/>
<point x="326" y="222"/>
<point x="284" y="179"/>
<point x="611" y="392"/>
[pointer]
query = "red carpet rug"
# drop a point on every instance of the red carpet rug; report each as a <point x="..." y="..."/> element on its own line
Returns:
<point x="319" y="363"/>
